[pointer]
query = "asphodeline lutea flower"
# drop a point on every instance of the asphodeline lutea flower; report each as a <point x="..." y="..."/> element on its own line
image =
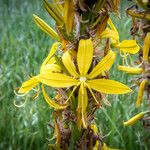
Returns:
<point x="81" y="76"/>
<point x="125" y="46"/>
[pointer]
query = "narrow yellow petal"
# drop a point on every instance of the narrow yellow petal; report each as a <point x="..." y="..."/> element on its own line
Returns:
<point x="53" y="12"/>
<point x="58" y="5"/>
<point x="45" y="27"/>
<point x="73" y="90"/>
<point x="94" y="128"/>
<point x="68" y="15"/>
<point x="140" y="93"/>
<point x="82" y="103"/>
<point x="57" y="80"/>
<point x="28" y="85"/>
<point x="105" y="147"/>
<point x="84" y="56"/>
<point x="51" y="61"/>
<point x="51" y="102"/>
<point x="67" y="61"/>
<point x="92" y="93"/>
<point x="51" y="68"/>
<point x="51" y="53"/>
<point x="146" y="48"/>
<point x="134" y="119"/>
<point x="129" y="46"/>
<point x="57" y="133"/>
<point x="108" y="86"/>
<point x="112" y="26"/>
<point x="130" y="70"/>
<point x="103" y="65"/>
<point x="113" y="35"/>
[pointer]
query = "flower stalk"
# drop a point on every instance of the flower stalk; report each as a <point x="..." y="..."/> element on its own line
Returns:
<point x="71" y="68"/>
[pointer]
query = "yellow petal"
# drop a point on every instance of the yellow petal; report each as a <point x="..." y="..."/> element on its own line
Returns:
<point x="130" y="70"/>
<point x="134" y="119"/>
<point x="49" y="59"/>
<point x="108" y="86"/>
<point x="67" y="61"/>
<point x="146" y="48"/>
<point x="129" y="46"/>
<point x="51" y="102"/>
<point x="57" y="80"/>
<point x="112" y="26"/>
<point x="84" y="56"/>
<point x="68" y="15"/>
<point x="103" y="65"/>
<point x="140" y="93"/>
<point x="105" y="147"/>
<point x="94" y="128"/>
<point x="108" y="33"/>
<point x="82" y="103"/>
<point x="51" y="68"/>
<point x="92" y="93"/>
<point x="45" y="27"/>
<point x="53" y="12"/>
<point x="28" y="85"/>
<point x="71" y="94"/>
<point x="58" y="5"/>
<point x="57" y="133"/>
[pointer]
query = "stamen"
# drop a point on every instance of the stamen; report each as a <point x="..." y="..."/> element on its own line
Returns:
<point x="20" y="105"/>
<point x="16" y="93"/>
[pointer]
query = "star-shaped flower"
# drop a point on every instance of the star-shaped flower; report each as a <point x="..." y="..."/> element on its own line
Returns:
<point x="125" y="46"/>
<point x="81" y="76"/>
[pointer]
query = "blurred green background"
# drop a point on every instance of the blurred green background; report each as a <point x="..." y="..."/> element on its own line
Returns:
<point x="23" y="46"/>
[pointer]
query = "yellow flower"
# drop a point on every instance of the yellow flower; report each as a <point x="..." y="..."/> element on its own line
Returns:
<point x="83" y="77"/>
<point x="126" y="46"/>
<point x="134" y="119"/>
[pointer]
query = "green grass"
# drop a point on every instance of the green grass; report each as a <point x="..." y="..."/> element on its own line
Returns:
<point x="23" y="46"/>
